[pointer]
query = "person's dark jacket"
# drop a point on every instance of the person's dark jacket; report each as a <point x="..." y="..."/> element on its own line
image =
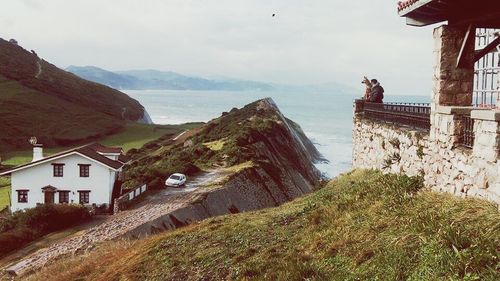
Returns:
<point x="377" y="94"/>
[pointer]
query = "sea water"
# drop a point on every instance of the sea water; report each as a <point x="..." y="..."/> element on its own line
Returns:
<point x="325" y="117"/>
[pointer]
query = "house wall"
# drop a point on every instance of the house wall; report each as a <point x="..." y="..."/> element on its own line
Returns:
<point x="100" y="182"/>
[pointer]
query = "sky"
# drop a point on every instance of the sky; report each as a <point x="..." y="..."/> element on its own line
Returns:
<point x="307" y="42"/>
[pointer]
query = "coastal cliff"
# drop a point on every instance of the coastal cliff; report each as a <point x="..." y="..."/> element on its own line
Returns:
<point x="265" y="160"/>
<point x="257" y="133"/>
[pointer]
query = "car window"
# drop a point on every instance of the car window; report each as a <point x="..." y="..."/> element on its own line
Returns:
<point x="175" y="177"/>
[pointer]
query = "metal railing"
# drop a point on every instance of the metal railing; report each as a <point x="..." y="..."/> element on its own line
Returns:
<point x="416" y="115"/>
<point x="467" y="135"/>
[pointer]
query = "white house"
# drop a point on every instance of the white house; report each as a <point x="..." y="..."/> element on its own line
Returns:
<point x="83" y="175"/>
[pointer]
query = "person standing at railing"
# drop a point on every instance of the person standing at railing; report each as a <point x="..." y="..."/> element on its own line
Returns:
<point x="377" y="92"/>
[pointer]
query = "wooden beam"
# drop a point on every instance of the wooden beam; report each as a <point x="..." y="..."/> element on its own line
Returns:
<point x="469" y="38"/>
<point x="491" y="20"/>
<point x="486" y="50"/>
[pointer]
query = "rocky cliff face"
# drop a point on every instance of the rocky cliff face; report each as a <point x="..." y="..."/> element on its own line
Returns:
<point x="282" y="166"/>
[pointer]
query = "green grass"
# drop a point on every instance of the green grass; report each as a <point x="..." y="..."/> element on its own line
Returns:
<point x="136" y="135"/>
<point x="133" y="136"/>
<point x="361" y="226"/>
<point x="4" y="196"/>
<point x="216" y="145"/>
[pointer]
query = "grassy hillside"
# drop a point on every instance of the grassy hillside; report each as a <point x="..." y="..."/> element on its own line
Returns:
<point x="361" y="226"/>
<point x="37" y="98"/>
<point x="133" y="135"/>
<point x="52" y="120"/>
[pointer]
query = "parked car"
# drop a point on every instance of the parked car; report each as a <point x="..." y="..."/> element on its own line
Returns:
<point x="176" y="180"/>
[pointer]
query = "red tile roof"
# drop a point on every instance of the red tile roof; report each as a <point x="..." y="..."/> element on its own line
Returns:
<point x="124" y="158"/>
<point x="104" y="149"/>
<point x="405" y="4"/>
<point x="90" y="150"/>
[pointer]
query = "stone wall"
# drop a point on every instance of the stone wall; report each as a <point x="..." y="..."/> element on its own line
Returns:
<point x="436" y="156"/>
<point x="439" y="155"/>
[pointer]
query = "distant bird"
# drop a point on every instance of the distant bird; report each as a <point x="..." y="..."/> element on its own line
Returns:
<point x="274" y="15"/>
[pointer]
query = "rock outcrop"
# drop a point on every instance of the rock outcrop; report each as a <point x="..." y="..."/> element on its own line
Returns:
<point x="283" y="169"/>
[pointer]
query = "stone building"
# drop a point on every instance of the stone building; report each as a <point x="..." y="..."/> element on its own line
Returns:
<point x="453" y="142"/>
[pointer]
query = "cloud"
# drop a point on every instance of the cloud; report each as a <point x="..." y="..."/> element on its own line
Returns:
<point x="307" y="42"/>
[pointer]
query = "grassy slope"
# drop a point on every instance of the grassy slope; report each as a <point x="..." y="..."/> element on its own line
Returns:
<point x="4" y="195"/>
<point x="57" y="107"/>
<point x="133" y="136"/>
<point x="362" y="226"/>
<point x="50" y="118"/>
<point x="136" y="135"/>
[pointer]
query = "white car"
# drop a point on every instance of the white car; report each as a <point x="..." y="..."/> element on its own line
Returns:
<point x="176" y="180"/>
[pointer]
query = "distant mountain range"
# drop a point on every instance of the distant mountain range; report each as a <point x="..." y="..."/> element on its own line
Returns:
<point x="162" y="80"/>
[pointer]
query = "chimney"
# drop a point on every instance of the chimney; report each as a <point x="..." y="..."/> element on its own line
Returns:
<point x="37" y="152"/>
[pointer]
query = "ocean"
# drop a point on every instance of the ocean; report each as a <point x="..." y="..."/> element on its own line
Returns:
<point x="326" y="118"/>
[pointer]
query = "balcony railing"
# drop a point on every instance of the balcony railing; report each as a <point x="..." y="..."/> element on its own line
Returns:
<point x="415" y="115"/>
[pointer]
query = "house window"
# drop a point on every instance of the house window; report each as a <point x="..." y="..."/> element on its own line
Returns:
<point x="84" y="196"/>
<point x="22" y="196"/>
<point x="64" y="197"/>
<point x="58" y="170"/>
<point x="84" y="170"/>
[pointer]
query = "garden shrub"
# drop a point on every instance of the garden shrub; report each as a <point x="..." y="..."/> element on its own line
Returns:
<point x="25" y="226"/>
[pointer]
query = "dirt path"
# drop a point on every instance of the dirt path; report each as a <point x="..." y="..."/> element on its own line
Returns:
<point x="180" y="135"/>
<point x="153" y="207"/>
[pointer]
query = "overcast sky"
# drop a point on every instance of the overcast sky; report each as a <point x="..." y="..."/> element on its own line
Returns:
<point x="309" y="41"/>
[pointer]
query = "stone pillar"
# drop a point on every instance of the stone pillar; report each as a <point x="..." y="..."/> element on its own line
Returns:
<point x="447" y="125"/>
<point x="452" y="86"/>
<point x="486" y="153"/>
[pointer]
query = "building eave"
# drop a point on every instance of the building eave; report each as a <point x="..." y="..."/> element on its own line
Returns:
<point x="63" y="154"/>
<point x="479" y="13"/>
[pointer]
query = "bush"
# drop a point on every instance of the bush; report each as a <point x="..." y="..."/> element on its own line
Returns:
<point x="156" y="183"/>
<point x="25" y="226"/>
<point x="14" y="239"/>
